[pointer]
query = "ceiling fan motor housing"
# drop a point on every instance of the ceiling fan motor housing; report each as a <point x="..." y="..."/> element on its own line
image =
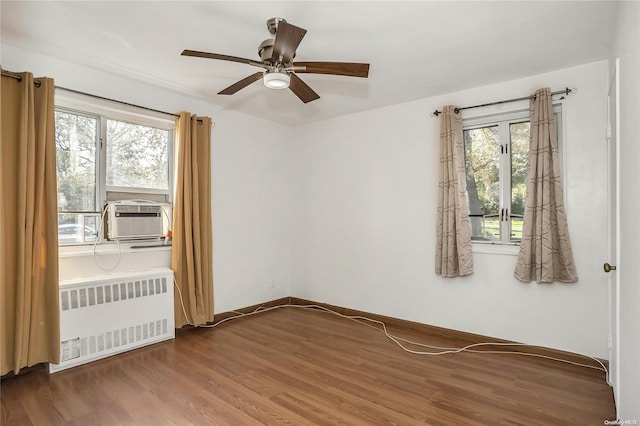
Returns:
<point x="265" y="50"/>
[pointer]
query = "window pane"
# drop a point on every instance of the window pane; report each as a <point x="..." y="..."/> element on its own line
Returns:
<point x="137" y="156"/>
<point x="482" y="161"/>
<point x="519" y="133"/>
<point x="76" y="161"/>
<point x="91" y="228"/>
<point x="77" y="228"/>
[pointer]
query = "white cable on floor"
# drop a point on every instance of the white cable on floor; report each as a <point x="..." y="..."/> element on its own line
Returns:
<point x="398" y="340"/>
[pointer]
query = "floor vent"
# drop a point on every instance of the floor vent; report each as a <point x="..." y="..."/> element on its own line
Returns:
<point x="110" y="314"/>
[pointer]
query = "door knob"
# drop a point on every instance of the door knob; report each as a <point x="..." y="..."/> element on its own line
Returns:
<point x="609" y="268"/>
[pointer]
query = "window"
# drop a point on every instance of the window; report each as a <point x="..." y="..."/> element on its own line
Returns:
<point x="104" y="156"/>
<point x="76" y="155"/>
<point x="137" y="157"/>
<point x="496" y="160"/>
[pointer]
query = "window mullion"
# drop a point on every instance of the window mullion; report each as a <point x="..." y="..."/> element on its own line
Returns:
<point x="505" y="182"/>
<point x="102" y="165"/>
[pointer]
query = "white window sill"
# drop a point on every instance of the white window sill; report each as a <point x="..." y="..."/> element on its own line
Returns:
<point x="500" y="249"/>
<point x="110" y="248"/>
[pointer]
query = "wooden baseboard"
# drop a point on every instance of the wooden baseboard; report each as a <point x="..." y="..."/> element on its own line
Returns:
<point x="247" y="309"/>
<point x="457" y="338"/>
<point x="461" y="338"/>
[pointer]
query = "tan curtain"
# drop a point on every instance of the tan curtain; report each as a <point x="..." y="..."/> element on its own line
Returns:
<point x="30" y="330"/>
<point x="191" y="258"/>
<point x="453" y="247"/>
<point x="545" y="252"/>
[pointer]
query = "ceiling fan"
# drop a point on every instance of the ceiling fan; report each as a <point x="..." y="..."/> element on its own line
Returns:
<point x="276" y="56"/>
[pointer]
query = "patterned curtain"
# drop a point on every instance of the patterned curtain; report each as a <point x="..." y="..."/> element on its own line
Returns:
<point x="545" y="251"/>
<point x="30" y="312"/>
<point x="453" y="246"/>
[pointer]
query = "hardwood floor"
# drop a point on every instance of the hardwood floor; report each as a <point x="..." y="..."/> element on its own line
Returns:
<point x="294" y="366"/>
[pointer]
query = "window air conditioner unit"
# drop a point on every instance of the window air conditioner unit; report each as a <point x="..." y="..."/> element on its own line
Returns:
<point x="137" y="220"/>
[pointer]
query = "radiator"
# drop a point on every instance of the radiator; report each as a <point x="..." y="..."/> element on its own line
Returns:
<point x="110" y="314"/>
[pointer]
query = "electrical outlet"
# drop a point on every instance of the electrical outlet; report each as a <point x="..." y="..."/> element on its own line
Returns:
<point x="273" y="284"/>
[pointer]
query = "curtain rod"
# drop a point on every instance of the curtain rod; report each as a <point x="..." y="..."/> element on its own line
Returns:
<point x="117" y="101"/>
<point x="19" y="77"/>
<point x="37" y="83"/>
<point x="565" y="92"/>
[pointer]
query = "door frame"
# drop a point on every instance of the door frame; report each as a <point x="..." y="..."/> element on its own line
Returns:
<point x="613" y="218"/>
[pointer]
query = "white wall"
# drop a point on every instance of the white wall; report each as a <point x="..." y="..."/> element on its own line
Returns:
<point x="628" y="309"/>
<point x="251" y="200"/>
<point x="365" y="215"/>
<point x="251" y="212"/>
<point x="345" y="213"/>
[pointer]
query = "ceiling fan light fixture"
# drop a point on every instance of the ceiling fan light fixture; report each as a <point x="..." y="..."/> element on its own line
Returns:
<point x="276" y="80"/>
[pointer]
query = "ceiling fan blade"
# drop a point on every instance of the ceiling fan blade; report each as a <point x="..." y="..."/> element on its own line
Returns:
<point x="241" y="84"/>
<point x="302" y="89"/>
<point x="208" y="55"/>
<point x="288" y="38"/>
<point x="350" y="69"/>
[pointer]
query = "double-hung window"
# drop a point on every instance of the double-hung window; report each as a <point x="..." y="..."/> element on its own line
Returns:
<point x="497" y="160"/>
<point x="102" y="155"/>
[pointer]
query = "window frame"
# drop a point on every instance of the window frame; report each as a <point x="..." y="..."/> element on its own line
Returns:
<point x="104" y="110"/>
<point x="504" y="120"/>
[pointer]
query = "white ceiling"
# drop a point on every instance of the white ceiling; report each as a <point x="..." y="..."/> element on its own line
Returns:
<point x="416" y="49"/>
